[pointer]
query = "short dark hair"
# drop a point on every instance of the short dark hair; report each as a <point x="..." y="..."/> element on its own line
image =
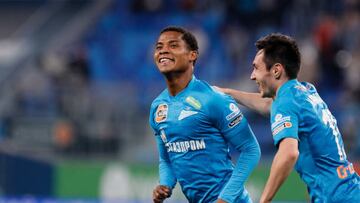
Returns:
<point x="187" y="36"/>
<point x="279" y="48"/>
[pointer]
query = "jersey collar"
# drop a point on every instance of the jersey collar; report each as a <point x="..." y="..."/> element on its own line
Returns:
<point x="182" y="92"/>
<point x="284" y="87"/>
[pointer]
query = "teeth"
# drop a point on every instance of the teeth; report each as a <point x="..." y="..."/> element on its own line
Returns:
<point x="164" y="59"/>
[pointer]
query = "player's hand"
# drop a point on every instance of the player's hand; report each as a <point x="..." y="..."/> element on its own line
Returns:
<point x="220" y="201"/>
<point x="160" y="193"/>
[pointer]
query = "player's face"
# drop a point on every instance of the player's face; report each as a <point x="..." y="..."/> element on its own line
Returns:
<point x="262" y="76"/>
<point x="172" y="54"/>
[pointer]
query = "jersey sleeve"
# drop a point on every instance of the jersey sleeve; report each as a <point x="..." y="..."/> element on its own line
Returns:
<point x="166" y="175"/>
<point x="228" y="118"/>
<point x="152" y="117"/>
<point x="285" y="120"/>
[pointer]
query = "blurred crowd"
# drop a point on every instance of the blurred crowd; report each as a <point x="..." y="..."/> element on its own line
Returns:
<point x="98" y="92"/>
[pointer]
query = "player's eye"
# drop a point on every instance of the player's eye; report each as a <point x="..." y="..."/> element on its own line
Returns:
<point x="173" y="45"/>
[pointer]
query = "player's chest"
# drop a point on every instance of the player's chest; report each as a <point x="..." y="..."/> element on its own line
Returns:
<point x="179" y="115"/>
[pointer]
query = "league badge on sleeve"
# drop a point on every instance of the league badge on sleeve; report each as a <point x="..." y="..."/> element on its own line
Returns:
<point x="235" y="116"/>
<point x="161" y="113"/>
<point x="280" y="124"/>
<point x="234" y="111"/>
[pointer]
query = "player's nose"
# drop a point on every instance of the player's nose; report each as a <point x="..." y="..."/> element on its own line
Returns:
<point x="252" y="76"/>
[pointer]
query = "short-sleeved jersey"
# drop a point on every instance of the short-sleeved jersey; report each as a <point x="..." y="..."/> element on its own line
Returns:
<point x="298" y="112"/>
<point x="194" y="126"/>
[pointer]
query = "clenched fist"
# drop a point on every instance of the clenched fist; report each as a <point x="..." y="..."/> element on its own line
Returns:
<point x="160" y="193"/>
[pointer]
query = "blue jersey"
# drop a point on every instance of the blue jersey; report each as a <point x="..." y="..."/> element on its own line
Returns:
<point x="193" y="130"/>
<point x="299" y="112"/>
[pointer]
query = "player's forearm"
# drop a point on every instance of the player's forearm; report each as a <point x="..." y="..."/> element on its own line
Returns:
<point x="253" y="101"/>
<point x="166" y="174"/>
<point x="282" y="165"/>
<point x="247" y="161"/>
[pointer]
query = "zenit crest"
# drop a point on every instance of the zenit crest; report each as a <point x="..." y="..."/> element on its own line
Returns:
<point x="161" y="113"/>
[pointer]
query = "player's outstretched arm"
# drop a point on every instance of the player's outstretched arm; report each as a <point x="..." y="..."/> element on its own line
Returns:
<point x="281" y="167"/>
<point x="253" y="101"/>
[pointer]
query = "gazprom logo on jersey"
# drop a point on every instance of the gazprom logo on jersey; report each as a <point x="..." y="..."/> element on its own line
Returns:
<point x="185" y="146"/>
<point x="280" y="124"/>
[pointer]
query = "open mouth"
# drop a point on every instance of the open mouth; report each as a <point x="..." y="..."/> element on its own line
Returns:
<point x="259" y="87"/>
<point x="163" y="60"/>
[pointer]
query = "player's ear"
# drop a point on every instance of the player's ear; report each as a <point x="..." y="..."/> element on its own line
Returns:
<point x="277" y="70"/>
<point x="193" y="55"/>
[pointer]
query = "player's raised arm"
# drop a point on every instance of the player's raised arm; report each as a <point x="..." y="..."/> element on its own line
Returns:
<point x="253" y="101"/>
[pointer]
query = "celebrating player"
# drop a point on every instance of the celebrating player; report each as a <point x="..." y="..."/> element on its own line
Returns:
<point x="194" y="125"/>
<point x="304" y="130"/>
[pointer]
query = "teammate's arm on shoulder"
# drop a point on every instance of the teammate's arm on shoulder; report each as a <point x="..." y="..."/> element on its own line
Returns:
<point x="253" y="101"/>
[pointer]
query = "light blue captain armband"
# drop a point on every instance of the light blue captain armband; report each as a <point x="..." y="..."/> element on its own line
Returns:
<point x="166" y="175"/>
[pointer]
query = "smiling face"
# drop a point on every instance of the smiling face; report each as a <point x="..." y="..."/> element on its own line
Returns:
<point x="262" y="76"/>
<point x="172" y="53"/>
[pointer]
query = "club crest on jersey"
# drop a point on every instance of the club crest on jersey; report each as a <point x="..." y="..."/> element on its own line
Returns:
<point x="234" y="111"/>
<point x="161" y="113"/>
<point x="185" y="114"/>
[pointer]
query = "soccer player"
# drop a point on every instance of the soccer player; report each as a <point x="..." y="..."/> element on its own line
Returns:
<point x="304" y="131"/>
<point x="194" y="125"/>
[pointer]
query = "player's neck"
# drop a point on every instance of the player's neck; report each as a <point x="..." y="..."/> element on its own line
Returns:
<point x="177" y="81"/>
<point x="279" y="83"/>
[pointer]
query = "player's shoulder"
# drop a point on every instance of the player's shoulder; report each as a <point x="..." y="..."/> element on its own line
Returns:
<point x="210" y="94"/>
<point x="301" y="91"/>
<point x="290" y="95"/>
<point x="205" y="87"/>
<point x="161" y="98"/>
<point x="159" y="101"/>
<point x="295" y="90"/>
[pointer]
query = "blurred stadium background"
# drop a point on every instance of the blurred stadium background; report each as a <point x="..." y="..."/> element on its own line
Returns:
<point x="77" y="80"/>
